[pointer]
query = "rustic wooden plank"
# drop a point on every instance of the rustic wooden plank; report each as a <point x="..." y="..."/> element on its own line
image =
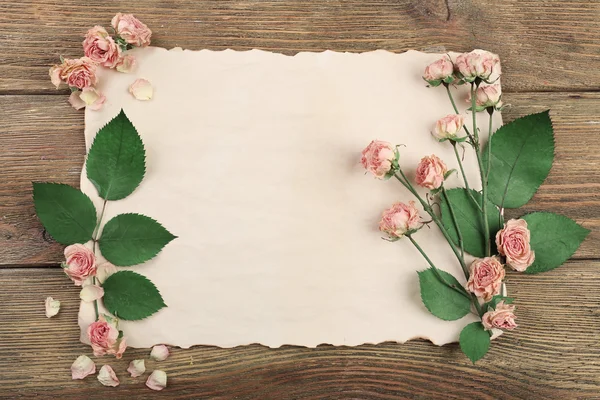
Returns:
<point x="42" y="139"/>
<point x="544" y="45"/>
<point x="553" y="354"/>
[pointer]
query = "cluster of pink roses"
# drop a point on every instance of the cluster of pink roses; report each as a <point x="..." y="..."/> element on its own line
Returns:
<point x="100" y="49"/>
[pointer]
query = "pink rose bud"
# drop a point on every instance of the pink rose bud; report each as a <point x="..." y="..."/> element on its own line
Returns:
<point x="107" y="376"/>
<point x="478" y="64"/>
<point x="78" y="73"/>
<point x="486" y="275"/>
<point x="159" y="353"/>
<point x="400" y="219"/>
<point x="439" y="71"/>
<point x="378" y="158"/>
<point x="104" y="338"/>
<point x="141" y="89"/>
<point x="513" y="242"/>
<point x="126" y="64"/>
<point x="502" y="317"/>
<point x="136" y="368"/>
<point x="431" y="172"/>
<point x="100" y="47"/>
<point x="448" y="127"/>
<point x="80" y="263"/>
<point x="52" y="307"/>
<point x="157" y="380"/>
<point x="131" y="29"/>
<point x="487" y="96"/>
<point x="82" y="367"/>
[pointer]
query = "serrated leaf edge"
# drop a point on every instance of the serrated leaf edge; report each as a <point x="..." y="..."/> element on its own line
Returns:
<point x="128" y="272"/>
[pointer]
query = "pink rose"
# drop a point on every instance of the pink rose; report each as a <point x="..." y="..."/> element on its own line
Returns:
<point x="377" y="158"/>
<point x="513" y="243"/>
<point x="126" y="64"/>
<point x="478" y="64"/>
<point x="501" y="318"/>
<point x="487" y="96"/>
<point x="400" y="219"/>
<point x="80" y="263"/>
<point x="100" y="47"/>
<point x="485" y="278"/>
<point x="439" y="71"/>
<point x="431" y="172"/>
<point x="79" y="73"/>
<point x="448" y="127"/>
<point x="131" y="29"/>
<point x="104" y="337"/>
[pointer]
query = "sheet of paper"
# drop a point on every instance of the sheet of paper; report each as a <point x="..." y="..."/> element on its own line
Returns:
<point x="253" y="162"/>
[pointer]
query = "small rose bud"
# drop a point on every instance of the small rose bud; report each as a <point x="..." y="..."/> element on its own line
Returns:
<point x="157" y="380"/>
<point x="439" y="71"/>
<point x="136" y="368"/>
<point x="82" y="367"/>
<point x="486" y="275"/>
<point x="52" y="307"/>
<point x="107" y="376"/>
<point x="487" y="96"/>
<point x="431" y="172"/>
<point x="513" y="243"/>
<point x="80" y="263"/>
<point x="141" y="89"/>
<point x="91" y="293"/>
<point x="448" y="127"/>
<point x="378" y="158"/>
<point x="400" y="219"/>
<point x="159" y="352"/>
<point x="502" y="317"/>
<point x="478" y="64"/>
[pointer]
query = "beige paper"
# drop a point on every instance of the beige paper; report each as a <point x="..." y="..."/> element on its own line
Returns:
<point x="253" y="162"/>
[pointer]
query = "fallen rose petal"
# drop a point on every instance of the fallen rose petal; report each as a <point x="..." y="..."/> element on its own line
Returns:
<point x="107" y="376"/>
<point x="136" y="368"/>
<point x="159" y="353"/>
<point x="126" y="64"/>
<point x="52" y="307"/>
<point x="93" y="99"/>
<point x="75" y="100"/>
<point x="141" y="89"/>
<point x="105" y="270"/>
<point x="90" y="293"/>
<point x="157" y="380"/>
<point x="82" y="367"/>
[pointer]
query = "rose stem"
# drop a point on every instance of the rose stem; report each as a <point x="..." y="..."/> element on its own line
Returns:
<point x="455" y="221"/>
<point x="95" y="240"/>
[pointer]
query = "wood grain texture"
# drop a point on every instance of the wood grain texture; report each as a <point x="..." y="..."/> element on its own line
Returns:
<point x="45" y="138"/>
<point x="552" y="355"/>
<point x="544" y="45"/>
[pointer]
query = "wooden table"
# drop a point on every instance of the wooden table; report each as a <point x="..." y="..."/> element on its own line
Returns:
<point x="551" y="56"/>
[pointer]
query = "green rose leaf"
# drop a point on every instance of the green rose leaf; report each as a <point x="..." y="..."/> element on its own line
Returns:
<point x="116" y="161"/>
<point x="469" y="220"/>
<point x="522" y="155"/>
<point x="130" y="239"/>
<point x="444" y="302"/>
<point x="474" y="341"/>
<point x="131" y="296"/>
<point x="68" y="215"/>
<point x="554" y="238"/>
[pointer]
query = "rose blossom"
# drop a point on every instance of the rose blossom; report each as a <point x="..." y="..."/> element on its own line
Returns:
<point x="400" y="219"/>
<point x="377" y="158"/>
<point x="478" y="64"/>
<point x="101" y="48"/>
<point x="80" y="263"/>
<point x="447" y="127"/>
<point x="485" y="278"/>
<point x="439" y="71"/>
<point x="131" y="29"/>
<point x="126" y="64"/>
<point x="104" y="338"/>
<point x="431" y="172"/>
<point x="502" y="317"/>
<point x="513" y="243"/>
<point x="79" y="73"/>
<point x="487" y="96"/>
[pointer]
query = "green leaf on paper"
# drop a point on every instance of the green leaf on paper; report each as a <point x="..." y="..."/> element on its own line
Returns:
<point x="68" y="215"/>
<point x="116" y="161"/>
<point x="554" y="238"/>
<point x="442" y="301"/>
<point x="130" y="239"/>
<point x="474" y="341"/>
<point x="469" y="220"/>
<point x="522" y="155"/>
<point x="131" y="296"/>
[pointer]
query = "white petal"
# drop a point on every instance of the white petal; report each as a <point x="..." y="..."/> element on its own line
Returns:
<point x="52" y="307"/>
<point x="136" y="368"/>
<point x="105" y="270"/>
<point x="82" y="367"/>
<point x="107" y="376"/>
<point x="159" y="353"/>
<point x="141" y="89"/>
<point x="90" y="293"/>
<point x="75" y="101"/>
<point x="157" y="380"/>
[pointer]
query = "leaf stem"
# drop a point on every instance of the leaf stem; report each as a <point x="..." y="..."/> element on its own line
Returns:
<point x="456" y="110"/>
<point x="95" y="240"/>
<point x="454" y="221"/>
<point x="462" y="170"/>
<point x="489" y="145"/>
